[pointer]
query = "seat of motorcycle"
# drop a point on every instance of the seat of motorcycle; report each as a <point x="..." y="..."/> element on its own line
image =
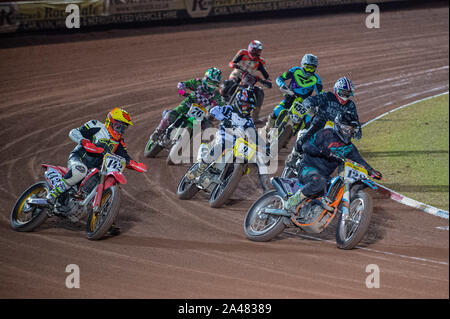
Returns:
<point x="63" y="170"/>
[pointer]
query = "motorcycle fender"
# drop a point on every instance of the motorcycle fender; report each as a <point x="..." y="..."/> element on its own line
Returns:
<point x="370" y="184"/>
<point x="113" y="178"/>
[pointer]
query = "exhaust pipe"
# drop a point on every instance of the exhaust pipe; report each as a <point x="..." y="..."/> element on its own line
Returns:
<point x="37" y="202"/>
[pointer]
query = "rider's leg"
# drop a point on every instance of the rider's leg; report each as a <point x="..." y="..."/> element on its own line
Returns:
<point x="313" y="182"/>
<point x="273" y="116"/>
<point x="170" y="117"/>
<point x="77" y="171"/>
<point x="259" y="92"/>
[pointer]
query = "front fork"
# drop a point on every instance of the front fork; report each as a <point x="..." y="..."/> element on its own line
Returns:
<point x="98" y="195"/>
<point x="346" y="202"/>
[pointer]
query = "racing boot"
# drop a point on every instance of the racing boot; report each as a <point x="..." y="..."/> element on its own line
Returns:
<point x="294" y="200"/>
<point x="269" y="125"/>
<point x="196" y="172"/>
<point x="292" y="159"/>
<point x="56" y="192"/>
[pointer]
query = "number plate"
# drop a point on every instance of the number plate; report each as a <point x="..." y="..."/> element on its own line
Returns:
<point x="113" y="163"/>
<point x="329" y="124"/>
<point x="298" y="111"/>
<point x="354" y="172"/>
<point x="244" y="149"/>
<point x="197" y="111"/>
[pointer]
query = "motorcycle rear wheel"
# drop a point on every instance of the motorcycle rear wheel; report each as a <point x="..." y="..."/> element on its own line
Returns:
<point x="260" y="226"/>
<point x="351" y="231"/>
<point x="98" y="224"/>
<point x="25" y="218"/>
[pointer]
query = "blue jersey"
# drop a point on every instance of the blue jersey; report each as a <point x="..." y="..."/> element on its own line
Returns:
<point x="302" y="85"/>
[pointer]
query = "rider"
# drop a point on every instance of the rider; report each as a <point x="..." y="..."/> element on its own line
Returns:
<point x="323" y="154"/>
<point x="203" y="92"/>
<point x="232" y="117"/>
<point x="303" y="82"/>
<point x="325" y="106"/>
<point x="250" y="61"/>
<point x="93" y="139"/>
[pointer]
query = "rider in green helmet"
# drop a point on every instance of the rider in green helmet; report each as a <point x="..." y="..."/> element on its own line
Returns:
<point x="203" y="91"/>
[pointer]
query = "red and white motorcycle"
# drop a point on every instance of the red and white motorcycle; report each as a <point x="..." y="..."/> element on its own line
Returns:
<point x="96" y="196"/>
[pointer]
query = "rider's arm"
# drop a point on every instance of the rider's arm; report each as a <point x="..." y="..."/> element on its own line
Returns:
<point x="122" y="151"/>
<point x="315" y="125"/>
<point x="283" y="77"/>
<point x="221" y="112"/>
<point x="237" y="58"/>
<point x="218" y="99"/>
<point x="317" y="145"/>
<point x="87" y="131"/>
<point x="354" y="155"/>
<point x="262" y="69"/>
<point x="191" y="84"/>
<point x="319" y="85"/>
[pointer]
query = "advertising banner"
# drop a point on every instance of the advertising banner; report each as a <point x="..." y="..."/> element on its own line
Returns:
<point x="41" y="15"/>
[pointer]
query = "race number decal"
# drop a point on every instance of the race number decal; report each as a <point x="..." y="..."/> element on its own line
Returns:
<point x="196" y="111"/>
<point x="113" y="163"/>
<point x="354" y="172"/>
<point x="244" y="149"/>
<point x="299" y="108"/>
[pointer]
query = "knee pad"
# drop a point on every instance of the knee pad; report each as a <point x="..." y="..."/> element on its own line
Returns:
<point x="77" y="171"/>
<point x="278" y="109"/>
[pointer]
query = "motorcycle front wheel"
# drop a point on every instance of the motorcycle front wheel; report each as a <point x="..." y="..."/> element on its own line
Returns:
<point x="223" y="191"/>
<point x="152" y="149"/>
<point x="187" y="189"/>
<point x="351" y="230"/>
<point x="261" y="226"/>
<point x="99" y="223"/>
<point x="26" y="218"/>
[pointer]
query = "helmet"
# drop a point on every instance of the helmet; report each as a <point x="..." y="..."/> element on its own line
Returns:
<point x="255" y="48"/>
<point x="116" y="122"/>
<point x="245" y="101"/>
<point x="309" y="64"/>
<point x="343" y="89"/>
<point x="345" y="125"/>
<point x="211" y="79"/>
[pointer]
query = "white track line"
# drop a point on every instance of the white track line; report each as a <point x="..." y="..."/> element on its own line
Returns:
<point x="399" y="197"/>
<point x="374" y="250"/>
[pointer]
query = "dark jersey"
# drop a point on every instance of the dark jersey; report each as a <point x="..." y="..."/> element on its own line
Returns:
<point x="326" y="140"/>
<point x="325" y="107"/>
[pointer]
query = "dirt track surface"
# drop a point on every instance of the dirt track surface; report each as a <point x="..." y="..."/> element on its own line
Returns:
<point x="184" y="249"/>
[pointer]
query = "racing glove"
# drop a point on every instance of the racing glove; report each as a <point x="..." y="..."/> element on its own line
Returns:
<point x="375" y="174"/>
<point x="138" y="167"/>
<point x="91" y="147"/>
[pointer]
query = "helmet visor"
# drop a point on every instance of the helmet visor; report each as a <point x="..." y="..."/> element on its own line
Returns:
<point x="309" y="68"/>
<point x="347" y="130"/>
<point x="256" y="51"/>
<point x="119" y="126"/>
<point x="212" y="85"/>
<point x="345" y="93"/>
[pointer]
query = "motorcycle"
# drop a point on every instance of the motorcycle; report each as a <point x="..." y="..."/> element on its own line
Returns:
<point x="96" y="196"/>
<point x="289" y="121"/>
<point x="184" y="128"/>
<point x="247" y="81"/>
<point x="346" y="196"/>
<point x="221" y="177"/>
